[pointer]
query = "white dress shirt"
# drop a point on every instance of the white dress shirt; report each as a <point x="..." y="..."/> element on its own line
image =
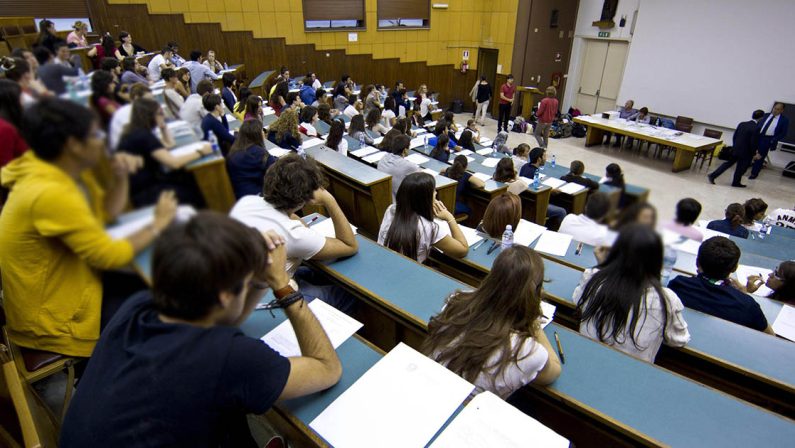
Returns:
<point x="771" y="130"/>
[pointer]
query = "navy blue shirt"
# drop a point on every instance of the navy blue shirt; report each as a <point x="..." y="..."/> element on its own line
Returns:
<point x="725" y="226"/>
<point x="247" y="169"/>
<point x="218" y="127"/>
<point x="287" y="142"/>
<point x="720" y="300"/>
<point x="151" y="383"/>
<point x="528" y="170"/>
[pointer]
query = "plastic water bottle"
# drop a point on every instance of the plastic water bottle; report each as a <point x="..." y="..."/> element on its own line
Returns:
<point x="71" y="89"/>
<point x="669" y="260"/>
<point x="301" y="151"/>
<point x="494" y="148"/>
<point x="507" y="238"/>
<point x="536" y="180"/>
<point x="226" y="66"/>
<point x="84" y="83"/>
<point x="361" y="140"/>
<point x="764" y="229"/>
<point x="213" y="142"/>
<point x="426" y="140"/>
<point x="553" y="163"/>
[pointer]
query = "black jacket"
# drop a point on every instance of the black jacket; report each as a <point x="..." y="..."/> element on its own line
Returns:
<point x="746" y="140"/>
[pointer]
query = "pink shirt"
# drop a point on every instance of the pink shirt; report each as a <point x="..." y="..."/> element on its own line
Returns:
<point x="686" y="231"/>
<point x="548" y="109"/>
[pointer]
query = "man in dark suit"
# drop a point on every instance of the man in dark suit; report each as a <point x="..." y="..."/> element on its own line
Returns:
<point x="744" y="147"/>
<point x="772" y="129"/>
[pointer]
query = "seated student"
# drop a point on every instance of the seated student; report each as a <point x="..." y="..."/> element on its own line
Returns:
<point x="132" y="71"/>
<point x="290" y="184"/>
<point x="293" y="101"/>
<point x="621" y="301"/>
<point x="472" y="126"/>
<point x="395" y="163"/>
<point x="371" y="98"/>
<point x="172" y="100"/>
<point x="20" y="71"/>
<point x="458" y="172"/>
<point x="637" y="213"/>
<point x="576" y="169"/>
<point x="253" y="108"/>
<point x="417" y="221"/>
<point x="324" y="113"/>
<point x="503" y="210"/>
<point x="501" y="143"/>
<point x="783" y="217"/>
<point x="12" y="145"/>
<point x="441" y="151"/>
<point x="102" y="98"/>
<point x="193" y="110"/>
<point x="373" y="122"/>
<point x="239" y="110"/>
<point x="781" y="281"/>
<point x="520" y="155"/>
<point x="229" y="81"/>
<point x="755" y="210"/>
<point x="284" y="131"/>
<point x="714" y="292"/>
<point x="615" y="178"/>
<point x="198" y="71"/>
<point x="50" y="72"/>
<point x="213" y="64"/>
<point x="308" y="120"/>
<point x="357" y="131"/>
<point x="184" y="87"/>
<point x="590" y="227"/>
<point x="180" y="338"/>
<point x="248" y="160"/>
<point x="139" y="138"/>
<point x="278" y="97"/>
<point x="687" y="211"/>
<point x="354" y="107"/>
<point x="733" y="223"/>
<point x="465" y="140"/>
<point x="335" y="139"/>
<point x="53" y="244"/>
<point x="159" y="62"/>
<point x="388" y="116"/>
<point x="508" y="348"/>
<point x="122" y="115"/>
<point x="505" y="173"/>
<point x="215" y="122"/>
<point x="535" y="160"/>
<point x="127" y="47"/>
<point x="307" y="92"/>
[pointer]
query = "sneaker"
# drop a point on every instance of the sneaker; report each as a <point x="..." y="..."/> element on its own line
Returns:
<point x="739" y="186"/>
<point x="711" y="180"/>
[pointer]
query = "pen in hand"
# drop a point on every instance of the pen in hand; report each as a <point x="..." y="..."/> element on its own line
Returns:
<point x="560" y="349"/>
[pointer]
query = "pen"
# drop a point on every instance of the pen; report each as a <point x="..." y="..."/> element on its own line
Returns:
<point x="492" y="248"/>
<point x="578" y="251"/>
<point x="560" y="349"/>
<point x="478" y="244"/>
<point x="313" y="220"/>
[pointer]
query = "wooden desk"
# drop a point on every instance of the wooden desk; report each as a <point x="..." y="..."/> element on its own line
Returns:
<point x="211" y="177"/>
<point x="238" y="70"/>
<point x="527" y="99"/>
<point x="87" y="63"/>
<point x="685" y="145"/>
<point x="258" y="84"/>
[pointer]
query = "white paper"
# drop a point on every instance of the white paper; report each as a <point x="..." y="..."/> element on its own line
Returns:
<point x="485" y="151"/>
<point x="417" y="158"/>
<point x="669" y="237"/>
<point x="326" y="228"/>
<point x="486" y="141"/>
<point x="310" y="142"/>
<point x="375" y="157"/>
<point x="230" y="118"/>
<point x="190" y="148"/>
<point x="430" y="171"/>
<point x="268" y="111"/>
<point x="466" y="152"/>
<point x="547" y="313"/>
<point x="481" y="176"/>
<point x="120" y="231"/>
<point x="570" y="188"/>
<point x="709" y="233"/>
<point x="490" y="162"/>
<point x="526" y="232"/>
<point x="338" y="326"/>
<point x="553" y="243"/>
<point x="177" y="124"/>
<point x="689" y="246"/>
<point x="417" y="142"/>
<point x="744" y="271"/>
<point x="430" y="124"/>
<point x="490" y="422"/>
<point x="552" y="182"/>
<point x="278" y="152"/>
<point x="402" y="401"/>
<point x="454" y="155"/>
<point x="784" y="325"/>
<point x="470" y="234"/>
<point x="377" y="141"/>
<point x="366" y="151"/>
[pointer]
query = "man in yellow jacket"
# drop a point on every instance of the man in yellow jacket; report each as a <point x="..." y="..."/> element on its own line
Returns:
<point x="52" y="239"/>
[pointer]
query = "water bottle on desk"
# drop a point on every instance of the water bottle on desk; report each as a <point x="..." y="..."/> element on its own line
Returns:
<point x="507" y="238"/>
<point x="426" y="141"/>
<point x="536" y="180"/>
<point x="301" y="151"/>
<point x="554" y="162"/>
<point x="226" y="66"/>
<point x="764" y="229"/>
<point x="361" y="140"/>
<point x="71" y="89"/>
<point x="669" y="260"/>
<point x="213" y="142"/>
<point x="494" y="148"/>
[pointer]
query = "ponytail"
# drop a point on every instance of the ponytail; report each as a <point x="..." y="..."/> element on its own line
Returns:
<point x="458" y="168"/>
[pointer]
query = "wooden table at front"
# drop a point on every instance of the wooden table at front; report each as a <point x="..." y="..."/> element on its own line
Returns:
<point x="685" y="145"/>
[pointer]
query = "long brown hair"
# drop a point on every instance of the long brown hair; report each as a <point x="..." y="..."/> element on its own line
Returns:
<point x="287" y="123"/>
<point x="474" y="326"/>
<point x="504" y="171"/>
<point x="250" y="134"/>
<point x="143" y="116"/>
<point x="503" y="210"/>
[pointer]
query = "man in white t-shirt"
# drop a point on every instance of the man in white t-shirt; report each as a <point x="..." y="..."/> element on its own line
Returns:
<point x="159" y="62"/>
<point x="122" y="115"/>
<point x="193" y="110"/>
<point x="589" y="227"/>
<point x="289" y="184"/>
<point x="783" y="217"/>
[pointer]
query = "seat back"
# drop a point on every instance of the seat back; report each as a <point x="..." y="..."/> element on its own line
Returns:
<point x="684" y="124"/>
<point x="713" y="133"/>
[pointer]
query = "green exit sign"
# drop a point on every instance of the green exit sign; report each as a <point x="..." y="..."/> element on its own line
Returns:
<point x="604" y="33"/>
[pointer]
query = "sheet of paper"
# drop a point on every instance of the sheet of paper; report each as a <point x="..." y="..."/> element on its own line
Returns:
<point x="230" y="118"/>
<point x="553" y="243"/>
<point x="366" y="151"/>
<point x="689" y="246"/>
<point x="547" y="313"/>
<point x="709" y="233"/>
<point x="375" y="157"/>
<point x="490" y="422"/>
<point x="268" y="111"/>
<point x="744" y="271"/>
<point x="570" y="188"/>
<point x="310" y="142"/>
<point x="278" y="152"/>
<point x="466" y="152"/>
<point x="326" y="228"/>
<point x="784" y="325"/>
<point x="454" y="155"/>
<point x="553" y="182"/>
<point x="485" y="151"/>
<point x="417" y="158"/>
<point x="417" y="142"/>
<point x="120" y="231"/>
<point x="526" y="232"/>
<point x="402" y="401"/>
<point x="482" y="176"/>
<point x="430" y="124"/>
<point x="470" y="234"/>
<point x="187" y="149"/>
<point x="338" y="326"/>
<point x="430" y="171"/>
<point x="490" y="162"/>
<point x="377" y="141"/>
<point x="419" y="131"/>
<point x="669" y="238"/>
<point x="486" y="141"/>
<point x="177" y="124"/>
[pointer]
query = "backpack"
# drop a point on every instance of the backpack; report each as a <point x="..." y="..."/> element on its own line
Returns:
<point x="578" y="130"/>
<point x="574" y="112"/>
<point x="519" y="125"/>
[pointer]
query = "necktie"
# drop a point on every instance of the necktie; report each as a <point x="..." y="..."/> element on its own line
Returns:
<point x="767" y="125"/>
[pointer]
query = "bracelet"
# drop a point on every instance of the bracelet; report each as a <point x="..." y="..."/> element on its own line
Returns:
<point x="285" y="302"/>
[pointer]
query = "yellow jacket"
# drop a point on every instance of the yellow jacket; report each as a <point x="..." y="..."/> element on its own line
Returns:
<point x="52" y="246"/>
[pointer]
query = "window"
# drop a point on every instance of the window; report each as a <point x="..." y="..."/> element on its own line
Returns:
<point x="397" y="14"/>
<point x="323" y="15"/>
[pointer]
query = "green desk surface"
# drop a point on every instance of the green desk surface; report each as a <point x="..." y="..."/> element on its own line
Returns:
<point x="777" y="247"/>
<point x="346" y="166"/>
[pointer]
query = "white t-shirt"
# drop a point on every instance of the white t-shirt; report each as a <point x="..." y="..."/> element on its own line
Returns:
<point x="386" y="116"/>
<point x="173" y="103"/>
<point x="316" y="85"/>
<point x="154" y="67"/>
<point x="342" y="148"/>
<point x="350" y="111"/>
<point x="425" y="106"/>
<point x="649" y="333"/>
<point x="430" y="232"/>
<point x="531" y="360"/>
<point x="783" y="217"/>
<point x="193" y="110"/>
<point x="586" y="230"/>
<point x="302" y="242"/>
<point x="119" y="120"/>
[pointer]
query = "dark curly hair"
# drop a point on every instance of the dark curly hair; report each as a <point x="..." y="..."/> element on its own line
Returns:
<point x="291" y="182"/>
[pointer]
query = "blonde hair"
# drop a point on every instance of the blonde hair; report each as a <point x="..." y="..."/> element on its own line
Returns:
<point x="552" y="91"/>
<point x="79" y="25"/>
<point x="286" y="124"/>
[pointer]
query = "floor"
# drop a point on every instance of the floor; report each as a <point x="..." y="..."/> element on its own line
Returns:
<point x="667" y="188"/>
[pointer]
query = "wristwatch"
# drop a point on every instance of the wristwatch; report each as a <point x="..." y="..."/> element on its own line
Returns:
<point x="290" y="288"/>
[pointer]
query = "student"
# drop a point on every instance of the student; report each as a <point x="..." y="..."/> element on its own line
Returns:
<point x="637" y="213"/>
<point x="501" y="143"/>
<point x="12" y="145"/>
<point x="50" y="73"/>
<point x="395" y="163"/>
<point x="535" y="160"/>
<point x="253" y="108"/>
<point x="308" y="120"/>
<point x="193" y="110"/>
<point x="783" y="217"/>
<point x="508" y="348"/>
<point x="354" y="107"/>
<point x="139" y="138"/>
<point x="373" y="122"/>
<point x="503" y="210"/>
<point x="122" y="115"/>
<point x="371" y="99"/>
<point x="53" y="244"/>
<point x="388" y="116"/>
<point x="176" y="59"/>
<point x="733" y="223"/>
<point x="440" y="151"/>
<point x="546" y="113"/>
<point x="102" y="99"/>
<point x="284" y="131"/>
<point x="213" y="64"/>
<point x="290" y="184"/>
<point x="172" y="101"/>
<point x="215" y="122"/>
<point x="159" y="62"/>
<point x="614" y="177"/>
<point x="521" y="156"/>
<point x="781" y="281"/>
<point x="687" y="211"/>
<point x="48" y="36"/>
<point x="505" y="172"/>
<point x="621" y="301"/>
<point x="202" y="375"/>
<point x="131" y="68"/>
<point x="482" y="99"/>
<point x="590" y="227"/>
<point x="278" y="98"/>
<point x="755" y="210"/>
<point x="335" y="139"/>
<point x="229" y="81"/>
<point x="127" y="47"/>
<point x="77" y="38"/>
<point x="458" y="172"/>
<point x="19" y="70"/>
<point x="106" y="48"/>
<point x="714" y="292"/>
<point x="248" y="160"/>
<point x="307" y="92"/>
<point x="324" y="113"/>
<point x="198" y="71"/>
<point x="425" y="104"/>
<point x="575" y="174"/>
<point x="472" y="126"/>
<point x="466" y="140"/>
<point x="239" y="110"/>
<point x="417" y="221"/>
<point x="184" y="85"/>
<point x="356" y="130"/>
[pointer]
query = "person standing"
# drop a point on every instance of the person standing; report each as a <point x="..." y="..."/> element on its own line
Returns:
<point x="745" y="144"/>
<point x="507" y="92"/>
<point x="546" y="115"/>
<point x="772" y="129"/>
<point x="482" y="99"/>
